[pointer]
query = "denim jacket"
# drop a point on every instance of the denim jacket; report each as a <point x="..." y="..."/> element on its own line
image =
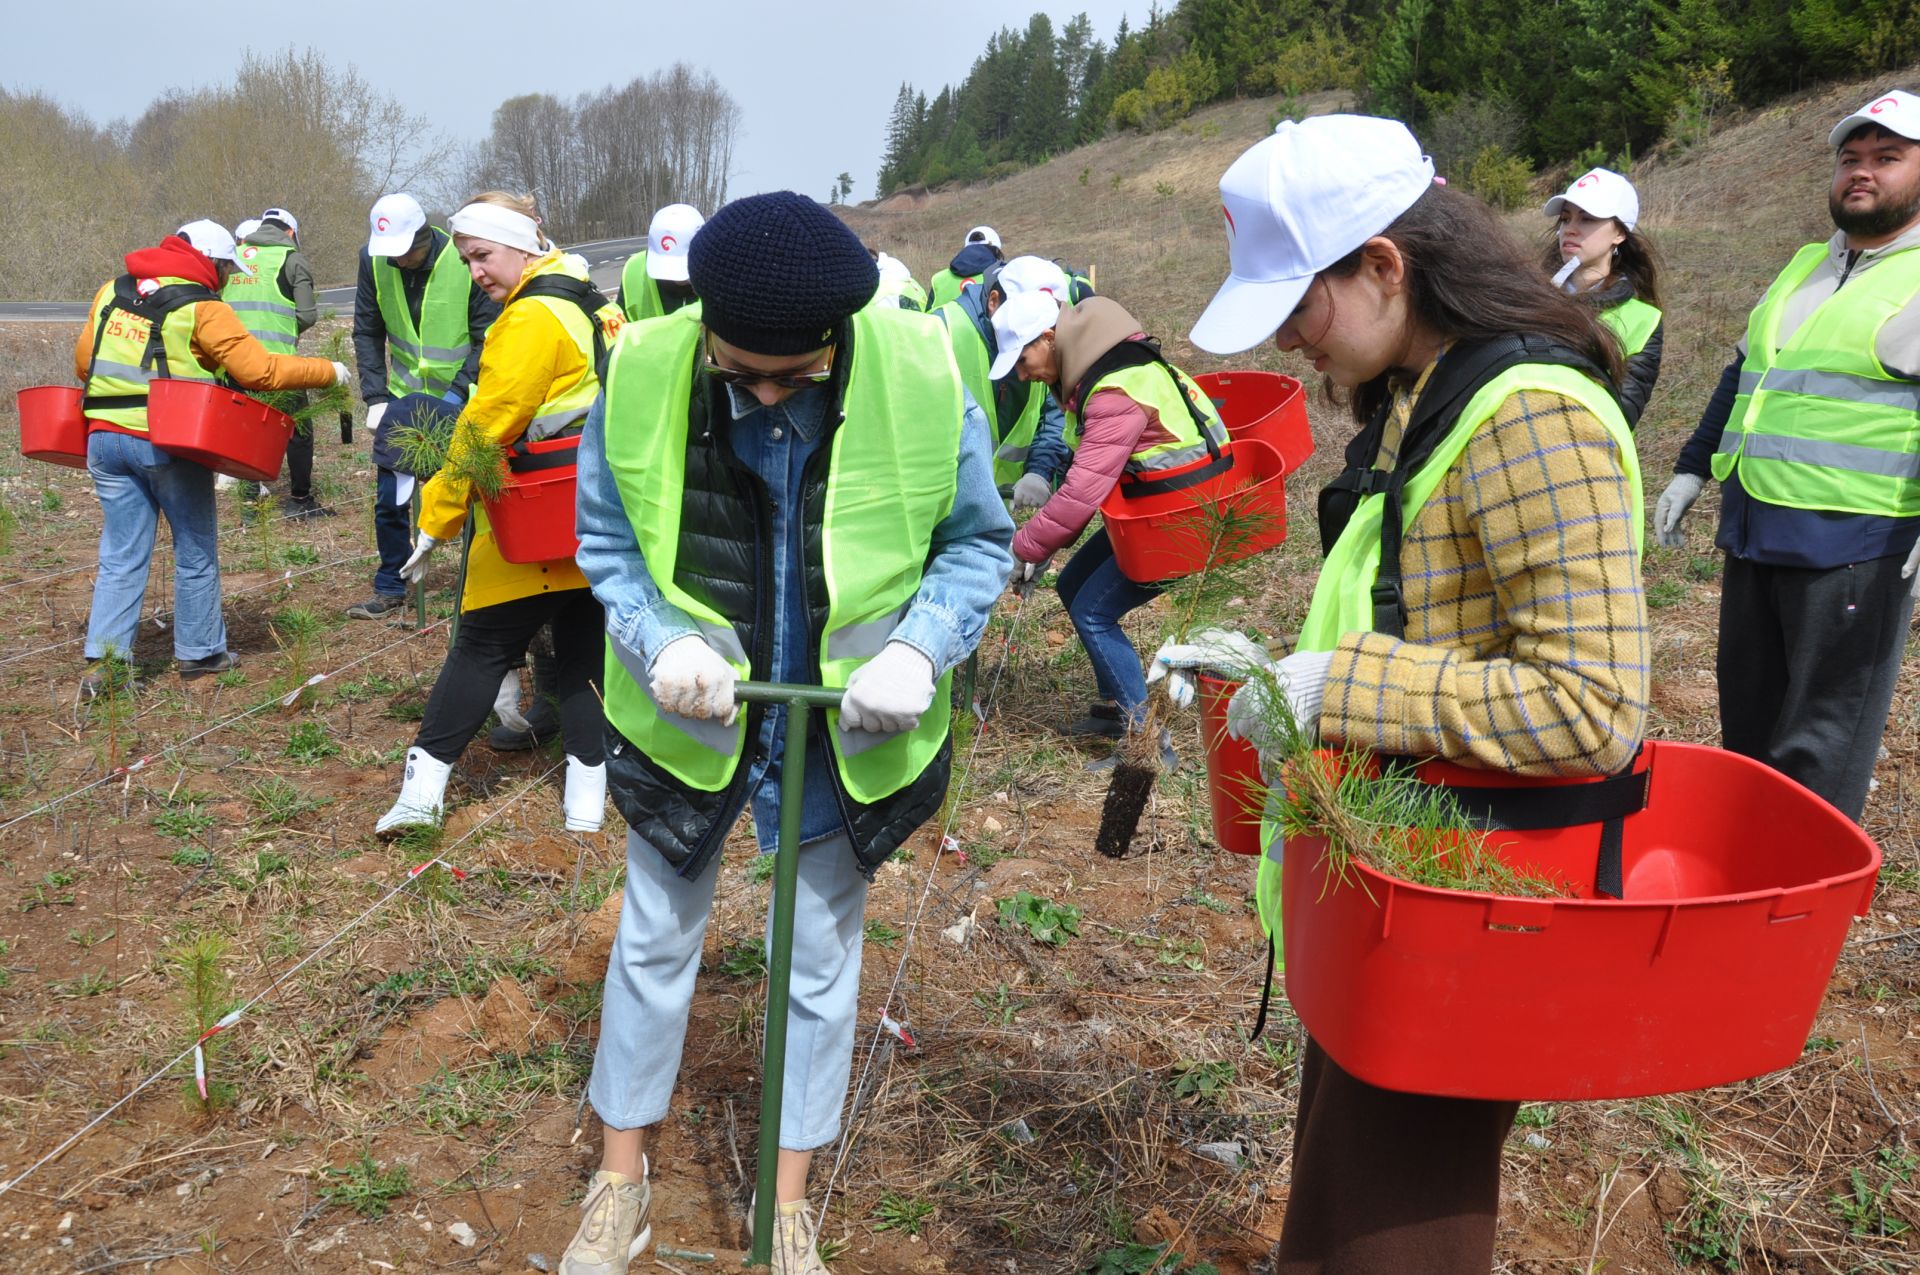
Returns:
<point x="969" y="567"/>
<point x="1047" y="455"/>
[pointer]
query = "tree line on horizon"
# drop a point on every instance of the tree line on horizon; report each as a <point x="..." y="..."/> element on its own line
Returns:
<point x="1503" y="86"/>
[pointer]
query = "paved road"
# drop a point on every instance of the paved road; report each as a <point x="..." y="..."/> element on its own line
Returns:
<point x="606" y="257"/>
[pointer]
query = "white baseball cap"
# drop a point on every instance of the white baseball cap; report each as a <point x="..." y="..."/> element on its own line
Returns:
<point x="984" y="234"/>
<point x="668" y="236"/>
<point x="1017" y="324"/>
<point x="892" y="271"/>
<point x="1600" y="192"/>
<point x="392" y="223"/>
<point x="211" y="239"/>
<point x="1897" y="111"/>
<point x="281" y="215"/>
<point x="245" y="228"/>
<point x="1296" y="203"/>
<point x="1034" y="274"/>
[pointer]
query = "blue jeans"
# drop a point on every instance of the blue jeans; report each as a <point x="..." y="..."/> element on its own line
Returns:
<point x="392" y="536"/>
<point x="136" y="483"/>
<point x="1097" y="596"/>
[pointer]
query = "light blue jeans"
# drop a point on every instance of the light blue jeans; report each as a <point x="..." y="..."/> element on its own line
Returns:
<point x="649" y="990"/>
<point x="136" y="483"/>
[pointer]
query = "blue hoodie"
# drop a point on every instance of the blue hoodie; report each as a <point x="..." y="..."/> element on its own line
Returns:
<point x="975" y="258"/>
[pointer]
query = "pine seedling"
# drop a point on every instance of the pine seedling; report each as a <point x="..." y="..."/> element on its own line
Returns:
<point x="207" y="994"/>
<point x="457" y="447"/>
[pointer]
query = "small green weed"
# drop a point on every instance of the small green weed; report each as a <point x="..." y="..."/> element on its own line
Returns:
<point x="190" y="857"/>
<point x="86" y="940"/>
<point x="1864" y="1208"/>
<point x="50" y="501"/>
<point x="883" y="934"/>
<point x="1000" y="1005"/>
<point x="1044" y="920"/>
<point x="1537" y="1115"/>
<point x="1140" y="1259"/>
<point x="364" y="1186"/>
<point x="309" y="741"/>
<point x="760" y="871"/>
<point x="300" y="556"/>
<point x="50" y="891"/>
<point x="1202" y="1082"/>
<point x="279" y="803"/>
<point x="897" y="1212"/>
<point x="183" y="821"/>
<point x="83" y="985"/>
<point x="1666" y="593"/>
<point x="745" y="960"/>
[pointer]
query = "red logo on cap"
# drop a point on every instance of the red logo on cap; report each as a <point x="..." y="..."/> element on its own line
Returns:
<point x="250" y="252"/>
<point x="667" y="242"/>
<point x="1588" y="180"/>
<point x="1882" y="105"/>
<point x="1231" y="228"/>
<point x="381" y="224"/>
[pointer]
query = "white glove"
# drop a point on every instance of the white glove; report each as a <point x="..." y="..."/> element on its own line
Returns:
<point x="1907" y="572"/>
<point x="506" y="703"/>
<point x="341" y="373"/>
<point x="888" y="693"/>
<point x="374" y="414"/>
<point x="1672" y="507"/>
<point x="688" y="677"/>
<point x="1027" y="574"/>
<point x="414" y="570"/>
<point x="1222" y="651"/>
<point x="1031" y="492"/>
<point x="1302" y="679"/>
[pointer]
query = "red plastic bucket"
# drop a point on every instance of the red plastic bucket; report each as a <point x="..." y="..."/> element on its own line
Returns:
<point x="1266" y="406"/>
<point x="217" y="426"/>
<point x="1233" y="772"/>
<point x="1739" y="889"/>
<point x="51" y="426"/>
<point x="1165" y="535"/>
<point x="532" y="517"/>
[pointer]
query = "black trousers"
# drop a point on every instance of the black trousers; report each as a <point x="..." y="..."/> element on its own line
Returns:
<point x="1388" y="1183"/>
<point x="300" y="461"/>
<point x="1807" y="665"/>
<point x="492" y="640"/>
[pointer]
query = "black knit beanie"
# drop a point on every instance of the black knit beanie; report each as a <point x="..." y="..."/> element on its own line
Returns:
<point x="778" y="273"/>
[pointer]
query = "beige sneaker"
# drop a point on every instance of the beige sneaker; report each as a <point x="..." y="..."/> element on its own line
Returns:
<point x="613" y="1228"/>
<point x="793" y="1231"/>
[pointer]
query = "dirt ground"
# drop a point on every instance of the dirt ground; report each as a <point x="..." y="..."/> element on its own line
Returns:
<point x="405" y="1093"/>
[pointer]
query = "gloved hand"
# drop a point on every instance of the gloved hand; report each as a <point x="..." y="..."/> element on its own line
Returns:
<point x="506" y="703"/>
<point x="1031" y="492"/>
<point x="1908" y="571"/>
<point x="688" y="677"/>
<point x="1222" y="651"/>
<point x="374" y="412"/>
<point x="888" y="693"/>
<point x="1026" y="575"/>
<point x="414" y="570"/>
<point x="1301" y="678"/>
<point x="341" y="373"/>
<point x="1672" y="507"/>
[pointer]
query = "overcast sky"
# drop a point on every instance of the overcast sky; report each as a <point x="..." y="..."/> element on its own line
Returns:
<point x="814" y="82"/>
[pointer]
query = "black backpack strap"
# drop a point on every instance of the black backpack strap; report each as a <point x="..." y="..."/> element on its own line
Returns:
<point x="1266" y="993"/>
<point x="154" y="307"/>
<point x="583" y="294"/>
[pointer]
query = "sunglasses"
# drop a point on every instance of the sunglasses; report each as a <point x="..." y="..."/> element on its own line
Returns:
<point x="785" y="380"/>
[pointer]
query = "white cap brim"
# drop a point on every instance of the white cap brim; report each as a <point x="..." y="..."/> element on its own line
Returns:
<point x="673" y="268"/>
<point x="1893" y="124"/>
<point x="1003" y="363"/>
<point x="1246" y="312"/>
<point x="392" y="244"/>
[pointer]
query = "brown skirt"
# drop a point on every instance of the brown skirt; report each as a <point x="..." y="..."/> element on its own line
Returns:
<point x="1389" y="1183"/>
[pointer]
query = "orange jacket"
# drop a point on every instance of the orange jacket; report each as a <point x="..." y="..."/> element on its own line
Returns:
<point x="219" y="341"/>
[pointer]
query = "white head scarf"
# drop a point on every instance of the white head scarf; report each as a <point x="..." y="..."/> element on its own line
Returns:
<point x="502" y="226"/>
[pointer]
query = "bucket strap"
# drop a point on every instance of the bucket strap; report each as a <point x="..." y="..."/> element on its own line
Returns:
<point x="521" y="459"/>
<point x="1266" y="994"/>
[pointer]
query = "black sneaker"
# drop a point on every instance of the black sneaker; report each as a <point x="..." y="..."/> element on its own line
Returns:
<point x="220" y="663"/>
<point x="542" y="726"/>
<point x="297" y="507"/>
<point x="1102" y="721"/>
<point x="377" y="607"/>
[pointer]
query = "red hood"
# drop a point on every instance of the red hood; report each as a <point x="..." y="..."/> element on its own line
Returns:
<point x="174" y="257"/>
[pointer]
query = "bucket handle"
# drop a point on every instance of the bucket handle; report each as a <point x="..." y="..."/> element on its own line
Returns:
<point x="1520" y="916"/>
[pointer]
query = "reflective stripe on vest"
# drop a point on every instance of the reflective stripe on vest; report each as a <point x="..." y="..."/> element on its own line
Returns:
<point x="263" y="308"/>
<point x="1634" y="322"/>
<point x="117" y="371"/>
<point x="427" y="358"/>
<point x="891" y="481"/>
<point x="567" y="405"/>
<point x="1818" y="423"/>
<point x="1343" y="596"/>
<point x="1149" y="385"/>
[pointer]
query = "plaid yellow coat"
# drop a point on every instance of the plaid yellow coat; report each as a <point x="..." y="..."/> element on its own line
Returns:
<point x="1526" y="643"/>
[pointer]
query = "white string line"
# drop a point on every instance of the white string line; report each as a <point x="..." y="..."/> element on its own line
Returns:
<point x="234" y="1016"/>
<point x="277" y="700"/>
<point x="10" y="585"/>
<point x="287" y="578"/>
<point x="913" y="926"/>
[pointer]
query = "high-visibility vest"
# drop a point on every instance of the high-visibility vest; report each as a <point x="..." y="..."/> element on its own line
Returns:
<point x="1343" y="596"/>
<point x="567" y="406"/>
<point x="891" y="481"/>
<point x="1634" y="322"/>
<point x="947" y="286"/>
<point x="640" y="296"/>
<point x="1154" y="385"/>
<point x="1818" y="423"/>
<point x="426" y="358"/>
<point x="1010" y="447"/>
<point x="263" y="307"/>
<point x="128" y="354"/>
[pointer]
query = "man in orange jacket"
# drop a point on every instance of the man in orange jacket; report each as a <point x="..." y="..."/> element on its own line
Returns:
<point x="164" y="319"/>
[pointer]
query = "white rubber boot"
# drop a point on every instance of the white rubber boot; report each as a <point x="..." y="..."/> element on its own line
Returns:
<point x="422" y="796"/>
<point x="586" y="801"/>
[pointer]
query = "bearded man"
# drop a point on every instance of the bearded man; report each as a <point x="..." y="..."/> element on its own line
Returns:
<point x="1814" y="435"/>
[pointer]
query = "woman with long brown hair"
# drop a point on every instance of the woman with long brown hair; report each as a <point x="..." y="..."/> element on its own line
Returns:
<point x="1599" y="255"/>
<point x="1480" y="600"/>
